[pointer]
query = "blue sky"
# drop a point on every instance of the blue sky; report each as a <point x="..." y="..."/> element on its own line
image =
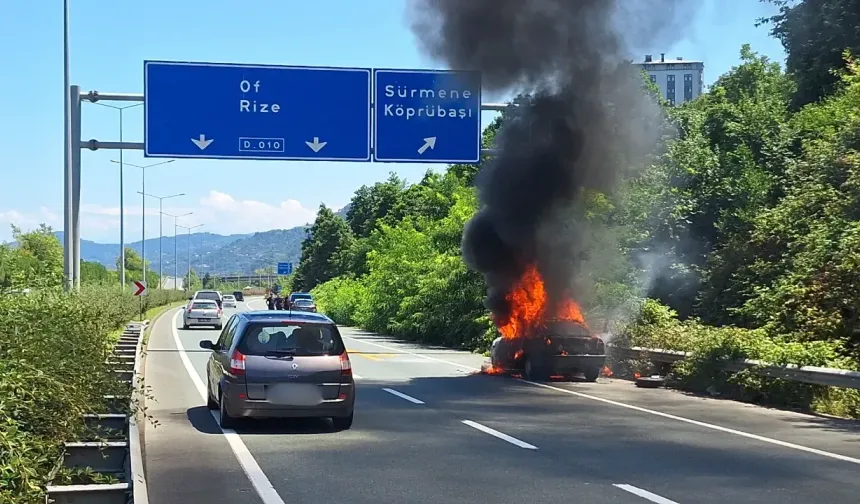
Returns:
<point x="110" y="40"/>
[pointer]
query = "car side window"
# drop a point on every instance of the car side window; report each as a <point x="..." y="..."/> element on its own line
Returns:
<point x="231" y="332"/>
<point x="225" y="334"/>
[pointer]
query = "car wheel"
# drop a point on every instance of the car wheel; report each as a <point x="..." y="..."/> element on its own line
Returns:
<point x="185" y="327"/>
<point x="224" y="418"/>
<point x="219" y="327"/>
<point x="591" y="374"/>
<point x="342" y="423"/>
<point x="535" y="370"/>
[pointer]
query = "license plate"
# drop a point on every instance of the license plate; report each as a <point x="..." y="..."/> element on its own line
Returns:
<point x="204" y="320"/>
<point x="294" y="394"/>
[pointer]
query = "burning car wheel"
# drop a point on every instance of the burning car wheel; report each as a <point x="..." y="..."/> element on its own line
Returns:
<point x="591" y="374"/>
<point x="535" y="369"/>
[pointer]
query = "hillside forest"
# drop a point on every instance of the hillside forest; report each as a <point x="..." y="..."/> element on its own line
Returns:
<point x="740" y="238"/>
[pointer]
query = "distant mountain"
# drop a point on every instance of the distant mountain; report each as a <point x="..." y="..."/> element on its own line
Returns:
<point x="260" y="250"/>
<point x="200" y="244"/>
<point x="209" y="252"/>
<point x="342" y="212"/>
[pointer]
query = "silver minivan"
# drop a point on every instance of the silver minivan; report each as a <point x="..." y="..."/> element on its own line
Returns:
<point x="280" y="365"/>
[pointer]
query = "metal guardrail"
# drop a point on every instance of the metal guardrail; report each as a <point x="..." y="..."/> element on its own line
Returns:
<point x="804" y="374"/>
<point x="120" y="453"/>
<point x="137" y="475"/>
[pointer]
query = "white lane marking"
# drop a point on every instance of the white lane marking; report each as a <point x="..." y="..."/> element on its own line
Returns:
<point x="720" y="428"/>
<point x="645" y="494"/>
<point x="500" y="435"/>
<point x="258" y="478"/>
<point x="403" y="396"/>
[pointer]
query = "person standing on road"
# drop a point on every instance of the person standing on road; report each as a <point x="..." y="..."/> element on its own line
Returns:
<point x="270" y="301"/>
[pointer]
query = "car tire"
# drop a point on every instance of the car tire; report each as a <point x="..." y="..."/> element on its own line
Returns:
<point x="535" y="369"/>
<point x="342" y="423"/>
<point x="219" y="327"/>
<point x="224" y="418"/>
<point x="591" y="374"/>
<point x="185" y="327"/>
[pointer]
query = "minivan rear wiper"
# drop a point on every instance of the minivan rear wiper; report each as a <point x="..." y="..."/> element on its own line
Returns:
<point x="279" y="353"/>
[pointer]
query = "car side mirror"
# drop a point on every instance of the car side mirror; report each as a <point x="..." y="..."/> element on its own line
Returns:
<point x="208" y="345"/>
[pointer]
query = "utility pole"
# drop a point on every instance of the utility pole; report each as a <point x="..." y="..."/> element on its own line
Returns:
<point x="189" y="228"/>
<point x="175" y="240"/>
<point x="121" y="193"/>
<point x="161" y="231"/>
<point x="142" y="192"/>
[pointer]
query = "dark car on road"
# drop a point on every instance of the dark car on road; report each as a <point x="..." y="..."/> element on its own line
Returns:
<point x="299" y="295"/>
<point x="280" y="365"/>
<point x="304" y="305"/>
<point x="239" y="295"/>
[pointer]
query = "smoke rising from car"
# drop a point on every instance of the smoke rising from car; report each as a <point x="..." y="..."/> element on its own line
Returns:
<point x="587" y="121"/>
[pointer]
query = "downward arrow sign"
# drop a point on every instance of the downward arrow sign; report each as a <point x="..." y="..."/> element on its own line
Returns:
<point x="202" y="142"/>
<point x="316" y="145"/>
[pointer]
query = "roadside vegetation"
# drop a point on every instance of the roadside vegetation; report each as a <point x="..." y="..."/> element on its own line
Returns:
<point x="741" y="240"/>
<point x="53" y="346"/>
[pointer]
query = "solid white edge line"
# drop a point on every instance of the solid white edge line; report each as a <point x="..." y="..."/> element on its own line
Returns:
<point x="727" y="430"/>
<point x="645" y="494"/>
<point x="500" y="435"/>
<point x="249" y="464"/>
<point x="403" y="396"/>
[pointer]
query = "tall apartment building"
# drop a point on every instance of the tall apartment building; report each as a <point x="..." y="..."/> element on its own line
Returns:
<point x="679" y="80"/>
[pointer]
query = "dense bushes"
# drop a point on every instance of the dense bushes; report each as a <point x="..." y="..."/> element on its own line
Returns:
<point x="52" y="352"/>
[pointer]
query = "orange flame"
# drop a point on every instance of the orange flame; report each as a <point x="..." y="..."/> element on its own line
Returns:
<point x="528" y="307"/>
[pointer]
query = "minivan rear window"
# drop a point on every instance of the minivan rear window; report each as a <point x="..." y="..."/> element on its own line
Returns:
<point x="291" y="338"/>
<point x="301" y="296"/>
<point x="208" y="295"/>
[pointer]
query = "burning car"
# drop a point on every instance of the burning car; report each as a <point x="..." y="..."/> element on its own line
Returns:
<point x="541" y="338"/>
<point x="559" y="348"/>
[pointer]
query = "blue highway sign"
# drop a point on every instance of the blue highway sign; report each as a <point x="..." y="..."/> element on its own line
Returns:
<point x="431" y="116"/>
<point x="230" y="111"/>
<point x="285" y="268"/>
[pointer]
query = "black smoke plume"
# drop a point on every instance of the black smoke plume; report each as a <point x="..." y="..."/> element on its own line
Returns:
<point x="587" y="119"/>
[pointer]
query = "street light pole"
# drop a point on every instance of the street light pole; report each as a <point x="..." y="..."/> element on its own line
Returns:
<point x="121" y="194"/>
<point x="175" y="255"/>
<point x="189" y="228"/>
<point x="68" y="234"/>
<point x="143" y="207"/>
<point x="161" y="231"/>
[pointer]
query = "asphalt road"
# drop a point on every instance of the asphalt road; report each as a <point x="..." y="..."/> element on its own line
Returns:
<point x="428" y="429"/>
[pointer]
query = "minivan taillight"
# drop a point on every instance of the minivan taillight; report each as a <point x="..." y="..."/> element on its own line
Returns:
<point x="345" y="365"/>
<point x="237" y="363"/>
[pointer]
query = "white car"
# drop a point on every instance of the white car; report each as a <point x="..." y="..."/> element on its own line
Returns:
<point x="202" y="312"/>
<point x="229" y="301"/>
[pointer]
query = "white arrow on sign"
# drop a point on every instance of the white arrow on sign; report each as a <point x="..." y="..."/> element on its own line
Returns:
<point x="202" y="142"/>
<point x="316" y="145"/>
<point x="429" y="143"/>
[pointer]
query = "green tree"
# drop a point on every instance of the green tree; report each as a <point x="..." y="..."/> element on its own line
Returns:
<point x="96" y="274"/>
<point x="325" y="251"/>
<point x="38" y="258"/>
<point x="814" y="34"/>
<point x="381" y="202"/>
<point x="191" y="281"/>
